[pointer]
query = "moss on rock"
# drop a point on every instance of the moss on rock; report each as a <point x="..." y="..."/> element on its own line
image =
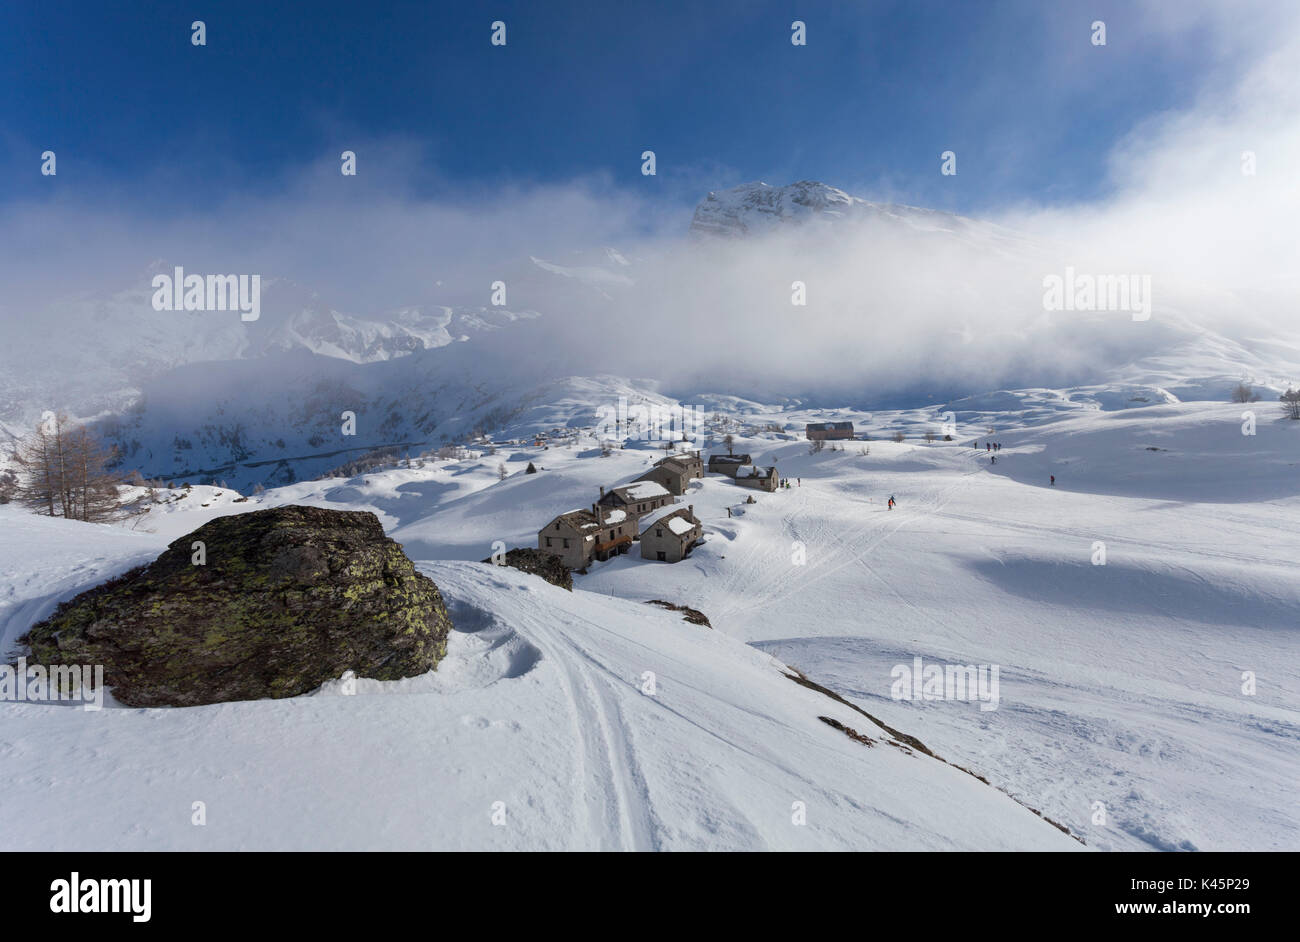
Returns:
<point x="289" y="598"/>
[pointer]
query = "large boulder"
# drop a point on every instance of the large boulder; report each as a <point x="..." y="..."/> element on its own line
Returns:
<point x="534" y="561"/>
<point x="285" y="600"/>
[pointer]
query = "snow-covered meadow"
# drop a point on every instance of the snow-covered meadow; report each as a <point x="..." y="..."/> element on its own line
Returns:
<point x="1121" y="712"/>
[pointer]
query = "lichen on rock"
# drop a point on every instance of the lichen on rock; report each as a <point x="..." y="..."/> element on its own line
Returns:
<point x="287" y="599"/>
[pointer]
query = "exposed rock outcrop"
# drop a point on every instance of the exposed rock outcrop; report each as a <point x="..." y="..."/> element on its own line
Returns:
<point x="692" y="615"/>
<point x="539" y="564"/>
<point x="279" y="602"/>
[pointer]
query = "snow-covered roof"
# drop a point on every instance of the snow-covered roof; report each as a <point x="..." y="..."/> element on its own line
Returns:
<point x="668" y="516"/>
<point x="680" y="525"/>
<point x="578" y="519"/>
<point x="644" y="490"/>
<point x="615" y="516"/>
<point x="682" y="461"/>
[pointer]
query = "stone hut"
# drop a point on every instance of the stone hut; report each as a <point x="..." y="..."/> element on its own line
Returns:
<point x="676" y="472"/>
<point x="670" y="536"/>
<point x="764" y="479"/>
<point x="727" y="464"/>
<point x="830" y="431"/>
<point x="636" y="499"/>
<point x="579" y="536"/>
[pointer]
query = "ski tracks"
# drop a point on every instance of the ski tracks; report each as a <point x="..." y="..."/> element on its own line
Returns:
<point x="610" y="793"/>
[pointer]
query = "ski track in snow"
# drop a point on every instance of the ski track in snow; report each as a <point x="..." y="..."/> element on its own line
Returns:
<point x="613" y="797"/>
<point x="1118" y="683"/>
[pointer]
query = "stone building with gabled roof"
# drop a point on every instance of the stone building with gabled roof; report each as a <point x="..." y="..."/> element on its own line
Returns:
<point x="579" y="536"/>
<point x="829" y="431"/>
<point x="636" y="499"/>
<point x="676" y="472"/>
<point x="670" y="536"/>
<point x="727" y="464"/>
<point x="764" y="479"/>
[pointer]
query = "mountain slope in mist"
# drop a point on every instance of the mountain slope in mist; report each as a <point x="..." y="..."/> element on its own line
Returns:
<point x="901" y="308"/>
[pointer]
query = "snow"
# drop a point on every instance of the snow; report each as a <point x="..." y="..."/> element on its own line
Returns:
<point x="540" y="705"/>
<point x="680" y="525"/>
<point x="1120" y="683"/>
<point x="647" y="490"/>
<point x="755" y="209"/>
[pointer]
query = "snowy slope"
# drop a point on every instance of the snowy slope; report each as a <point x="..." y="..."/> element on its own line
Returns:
<point x="243" y="424"/>
<point x="113" y="342"/>
<point x="1120" y="684"/>
<point x="541" y="705"/>
<point x="205" y="396"/>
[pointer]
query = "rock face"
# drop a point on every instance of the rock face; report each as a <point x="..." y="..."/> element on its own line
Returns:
<point x="288" y="599"/>
<point x="756" y="208"/>
<point x="539" y="564"/>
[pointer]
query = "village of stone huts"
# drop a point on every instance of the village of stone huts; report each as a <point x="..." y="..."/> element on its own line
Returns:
<point x="645" y="511"/>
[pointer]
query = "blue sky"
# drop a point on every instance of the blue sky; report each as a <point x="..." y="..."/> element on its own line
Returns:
<point x="580" y="90"/>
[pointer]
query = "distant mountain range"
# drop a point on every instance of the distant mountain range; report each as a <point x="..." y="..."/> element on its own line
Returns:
<point x="204" y="395"/>
<point x="753" y="209"/>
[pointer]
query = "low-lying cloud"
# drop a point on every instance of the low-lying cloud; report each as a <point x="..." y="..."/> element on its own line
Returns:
<point x="1203" y="201"/>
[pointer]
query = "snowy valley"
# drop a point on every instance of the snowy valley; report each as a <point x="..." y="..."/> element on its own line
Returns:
<point x="1120" y="683"/>
<point x="1125" y="560"/>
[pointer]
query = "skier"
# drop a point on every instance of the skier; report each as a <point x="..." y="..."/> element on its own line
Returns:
<point x="994" y="459"/>
<point x="800" y="480"/>
<point x="891" y="501"/>
<point x="988" y="447"/>
<point x="1053" y="480"/>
